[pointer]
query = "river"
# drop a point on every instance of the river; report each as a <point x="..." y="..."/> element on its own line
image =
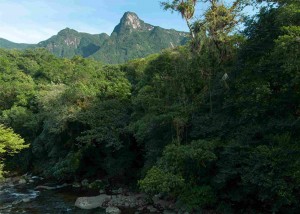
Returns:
<point x="33" y="195"/>
<point x="26" y="199"/>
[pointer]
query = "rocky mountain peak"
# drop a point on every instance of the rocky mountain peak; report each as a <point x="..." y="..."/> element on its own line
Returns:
<point x="67" y="31"/>
<point x="130" y="21"/>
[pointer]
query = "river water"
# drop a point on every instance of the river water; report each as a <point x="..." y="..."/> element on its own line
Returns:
<point x="26" y="199"/>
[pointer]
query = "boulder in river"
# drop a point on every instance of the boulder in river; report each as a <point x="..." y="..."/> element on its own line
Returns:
<point x="76" y="185"/>
<point x="118" y="191"/>
<point x="169" y="212"/>
<point x="126" y="201"/>
<point x="112" y="210"/>
<point x="91" y="202"/>
<point x="52" y="188"/>
<point x="22" y="181"/>
<point x="151" y="209"/>
<point x="97" y="184"/>
<point x="26" y="200"/>
<point x="85" y="183"/>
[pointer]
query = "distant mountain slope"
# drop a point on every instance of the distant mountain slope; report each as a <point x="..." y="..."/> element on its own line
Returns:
<point x="131" y="38"/>
<point x="11" y="45"/>
<point x="69" y="42"/>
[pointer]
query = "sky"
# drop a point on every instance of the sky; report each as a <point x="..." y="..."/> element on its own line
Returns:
<point x="32" y="21"/>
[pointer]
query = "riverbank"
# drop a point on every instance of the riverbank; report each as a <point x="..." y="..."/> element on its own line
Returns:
<point x="20" y="195"/>
<point x="33" y="195"/>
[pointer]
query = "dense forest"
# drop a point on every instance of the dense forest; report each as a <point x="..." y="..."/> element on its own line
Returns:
<point x="214" y="124"/>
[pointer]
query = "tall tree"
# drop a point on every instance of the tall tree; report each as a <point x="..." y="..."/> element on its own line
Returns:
<point x="212" y="38"/>
<point x="185" y="7"/>
<point x="10" y="143"/>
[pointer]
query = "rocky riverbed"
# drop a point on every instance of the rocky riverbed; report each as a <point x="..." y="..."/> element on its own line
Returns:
<point x="26" y="195"/>
<point x="32" y="195"/>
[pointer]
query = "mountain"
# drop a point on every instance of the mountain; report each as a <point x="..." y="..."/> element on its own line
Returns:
<point x="131" y="38"/>
<point x="11" y="45"/>
<point x="69" y="42"/>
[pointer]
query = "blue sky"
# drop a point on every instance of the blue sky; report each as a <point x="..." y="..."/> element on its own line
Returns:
<point x="31" y="21"/>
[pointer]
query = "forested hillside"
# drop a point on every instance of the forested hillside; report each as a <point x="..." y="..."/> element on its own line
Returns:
<point x="11" y="45"/>
<point x="214" y="125"/>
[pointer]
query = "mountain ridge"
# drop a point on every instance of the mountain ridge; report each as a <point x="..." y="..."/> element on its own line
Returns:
<point x="131" y="38"/>
<point x="4" y="43"/>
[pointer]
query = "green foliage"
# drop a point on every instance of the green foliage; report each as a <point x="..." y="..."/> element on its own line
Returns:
<point x="98" y="184"/>
<point x="66" y="167"/>
<point x="178" y="171"/>
<point x="2" y="173"/>
<point x="159" y="181"/>
<point x="109" y="124"/>
<point x="63" y="107"/>
<point x="181" y="159"/>
<point x="15" y="87"/>
<point x="253" y="166"/>
<point x="195" y="197"/>
<point x="10" y="143"/>
<point x="269" y="166"/>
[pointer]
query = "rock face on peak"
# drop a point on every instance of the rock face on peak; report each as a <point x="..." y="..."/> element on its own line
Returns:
<point x="131" y="22"/>
<point x="131" y="38"/>
<point x="131" y="19"/>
